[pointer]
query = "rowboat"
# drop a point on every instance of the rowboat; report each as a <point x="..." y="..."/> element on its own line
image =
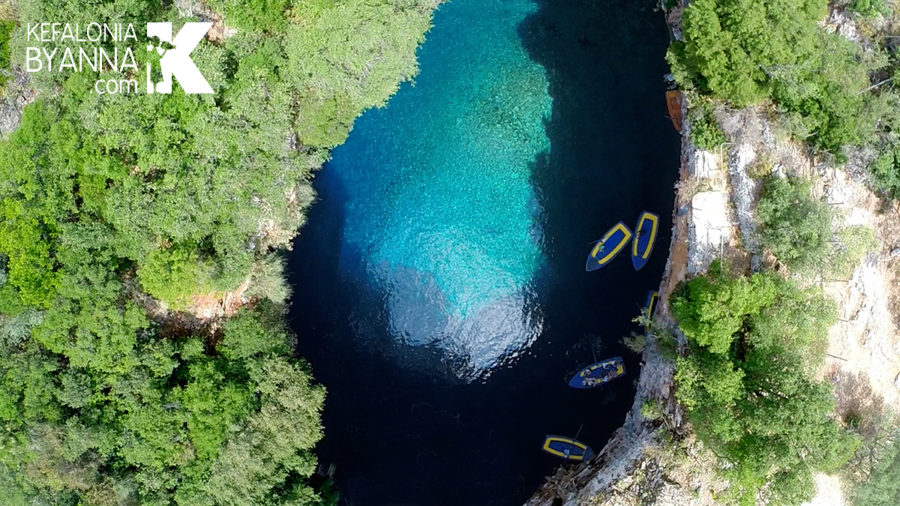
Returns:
<point x="604" y="250"/>
<point x="599" y="373"/>
<point x="567" y="448"/>
<point x="644" y="238"/>
<point x="673" y="104"/>
<point x="650" y="305"/>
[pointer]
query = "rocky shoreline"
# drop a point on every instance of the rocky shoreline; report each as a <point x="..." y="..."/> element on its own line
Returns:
<point x="638" y="436"/>
<point x="658" y="460"/>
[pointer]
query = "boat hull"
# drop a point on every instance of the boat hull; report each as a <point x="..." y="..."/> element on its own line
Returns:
<point x="644" y="239"/>
<point x="567" y="448"/>
<point x="650" y="306"/>
<point x="599" y="373"/>
<point x="608" y="247"/>
<point x="673" y="104"/>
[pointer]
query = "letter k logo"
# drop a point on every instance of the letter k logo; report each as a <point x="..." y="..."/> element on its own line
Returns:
<point x="177" y="62"/>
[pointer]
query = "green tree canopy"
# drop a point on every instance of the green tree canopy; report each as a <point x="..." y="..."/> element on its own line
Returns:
<point x="108" y="202"/>
<point x="747" y="382"/>
<point x="745" y="51"/>
<point x="795" y="226"/>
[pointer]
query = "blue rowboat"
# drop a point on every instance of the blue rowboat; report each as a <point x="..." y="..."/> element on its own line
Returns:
<point x="567" y="448"/>
<point x="604" y="250"/>
<point x="650" y="305"/>
<point x="644" y="238"/>
<point x="599" y="373"/>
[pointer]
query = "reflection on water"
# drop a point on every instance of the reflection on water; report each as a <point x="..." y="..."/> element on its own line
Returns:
<point x="474" y="342"/>
<point x="440" y="208"/>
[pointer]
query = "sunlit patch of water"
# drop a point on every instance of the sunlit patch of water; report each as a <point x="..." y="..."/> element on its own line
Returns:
<point x="441" y="211"/>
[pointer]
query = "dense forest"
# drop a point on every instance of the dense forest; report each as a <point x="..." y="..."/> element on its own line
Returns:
<point x="123" y="217"/>
<point x="747" y="382"/>
<point x="119" y="212"/>
<point x="825" y="89"/>
<point x="754" y="341"/>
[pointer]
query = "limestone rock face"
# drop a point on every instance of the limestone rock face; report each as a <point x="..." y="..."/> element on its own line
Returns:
<point x="13" y="100"/>
<point x="198" y="9"/>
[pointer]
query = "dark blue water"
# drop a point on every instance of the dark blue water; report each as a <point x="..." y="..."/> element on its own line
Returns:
<point x="439" y="286"/>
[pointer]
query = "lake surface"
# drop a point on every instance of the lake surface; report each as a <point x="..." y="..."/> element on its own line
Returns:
<point x="439" y="286"/>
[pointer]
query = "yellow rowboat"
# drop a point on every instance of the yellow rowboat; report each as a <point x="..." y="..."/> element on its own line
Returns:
<point x="567" y="448"/>
<point x="644" y="238"/>
<point x="599" y="373"/>
<point x="604" y="250"/>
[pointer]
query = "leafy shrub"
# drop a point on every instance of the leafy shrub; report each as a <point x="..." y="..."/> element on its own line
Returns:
<point x="6" y="29"/>
<point x="729" y="44"/>
<point x="762" y="167"/>
<point x="14" y="330"/>
<point x="793" y="225"/>
<point x="880" y="485"/>
<point x="744" y="51"/>
<point x="711" y="309"/>
<point x="635" y="342"/>
<point x="10" y="302"/>
<point x="853" y="243"/>
<point x="871" y="8"/>
<point x="748" y="387"/>
<point x="267" y="15"/>
<point x="705" y="132"/>
<point x="886" y="171"/>
<point x="173" y="275"/>
<point x="871" y="475"/>
<point x="267" y="280"/>
<point x="651" y="410"/>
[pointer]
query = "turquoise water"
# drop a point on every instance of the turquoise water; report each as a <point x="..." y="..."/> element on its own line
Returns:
<point x="440" y="208"/>
<point x="439" y="284"/>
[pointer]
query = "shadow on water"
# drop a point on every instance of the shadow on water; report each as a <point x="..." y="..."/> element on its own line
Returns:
<point x="613" y="152"/>
<point x="413" y="434"/>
